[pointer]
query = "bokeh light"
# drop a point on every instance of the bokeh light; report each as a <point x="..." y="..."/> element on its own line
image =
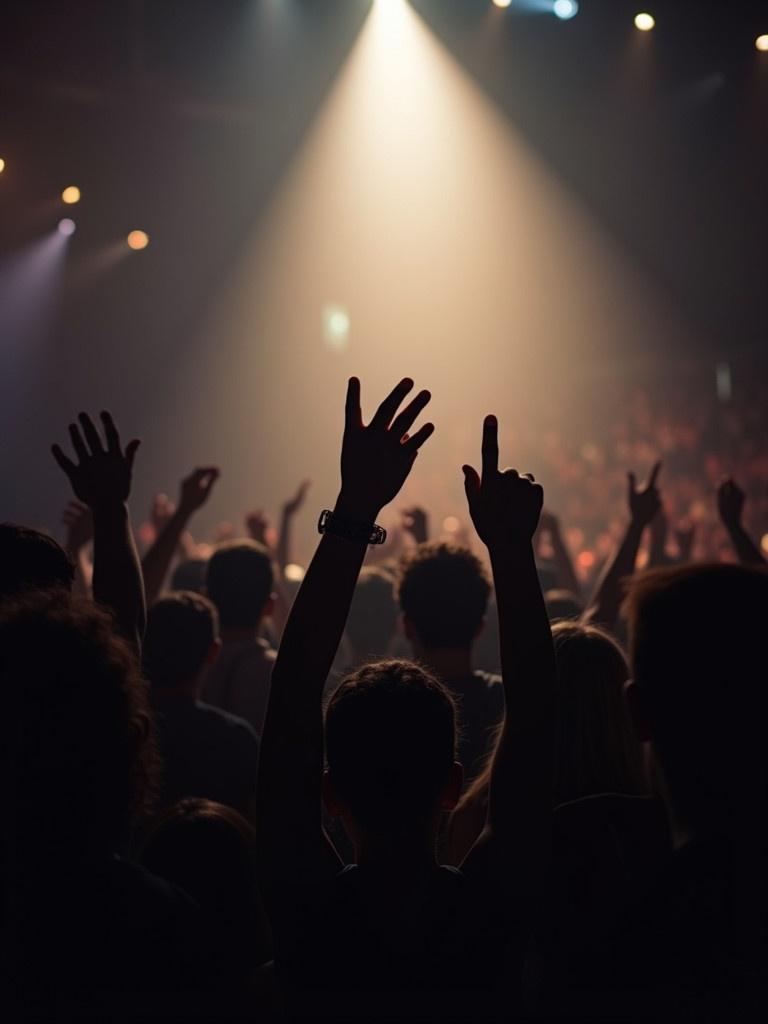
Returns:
<point x="502" y="3"/>
<point x="2" y="165"/>
<point x="451" y="524"/>
<point x="645" y="22"/>
<point x="336" y="327"/>
<point x="761" y="43"/>
<point x="565" y="9"/>
<point x="71" y="194"/>
<point x="66" y="226"/>
<point x="137" y="240"/>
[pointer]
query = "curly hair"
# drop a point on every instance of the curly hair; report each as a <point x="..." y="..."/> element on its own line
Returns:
<point x="390" y="734"/>
<point x="76" y="726"/>
<point x="443" y="591"/>
<point x="31" y="560"/>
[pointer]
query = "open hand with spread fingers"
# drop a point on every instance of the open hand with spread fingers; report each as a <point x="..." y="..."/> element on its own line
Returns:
<point x="504" y="505"/>
<point x="101" y="476"/>
<point x="376" y="459"/>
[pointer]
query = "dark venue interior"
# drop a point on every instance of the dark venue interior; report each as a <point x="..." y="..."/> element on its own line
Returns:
<point x="314" y="709"/>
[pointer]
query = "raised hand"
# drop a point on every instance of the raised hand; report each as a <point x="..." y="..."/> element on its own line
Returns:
<point x="161" y="512"/>
<point x="685" y="536"/>
<point x="79" y="523"/>
<point x="257" y="524"/>
<point x="102" y="474"/>
<point x="376" y="459"/>
<point x="196" y="488"/>
<point x="415" y="522"/>
<point x="730" y="503"/>
<point x="504" y="506"/>
<point x="644" y="504"/>
<point x="292" y="506"/>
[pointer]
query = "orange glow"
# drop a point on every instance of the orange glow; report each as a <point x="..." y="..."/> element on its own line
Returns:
<point x="137" y="240"/>
<point x="71" y="194"/>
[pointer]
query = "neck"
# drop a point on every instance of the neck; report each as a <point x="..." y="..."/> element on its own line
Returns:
<point x="238" y="634"/>
<point x="398" y="853"/>
<point x="445" y="662"/>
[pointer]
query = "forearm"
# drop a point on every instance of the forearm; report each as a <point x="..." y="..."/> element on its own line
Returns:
<point x="605" y="605"/>
<point x="283" y="552"/>
<point x="117" y="579"/>
<point x="522" y="767"/>
<point x="157" y="561"/>
<point x="748" y="552"/>
<point x="565" y="571"/>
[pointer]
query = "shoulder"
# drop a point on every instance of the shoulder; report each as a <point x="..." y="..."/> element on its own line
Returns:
<point x="226" y="723"/>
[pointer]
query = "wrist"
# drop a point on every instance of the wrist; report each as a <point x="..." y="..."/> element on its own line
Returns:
<point x="356" y="508"/>
<point x="108" y="509"/>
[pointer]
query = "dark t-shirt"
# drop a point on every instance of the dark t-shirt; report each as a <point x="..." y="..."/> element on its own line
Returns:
<point x="371" y="947"/>
<point x="206" y="753"/>
<point x="105" y="941"/>
<point x="238" y="681"/>
<point x="481" y="709"/>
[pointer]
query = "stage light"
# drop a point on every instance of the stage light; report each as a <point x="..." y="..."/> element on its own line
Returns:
<point x="336" y="325"/>
<point x="761" y="43"/>
<point x="71" y="194"/>
<point x="294" y="573"/>
<point x="451" y="524"/>
<point x="502" y="3"/>
<point x="2" y="162"/>
<point x="644" y="22"/>
<point x="764" y="542"/>
<point x="137" y="240"/>
<point x="565" y="9"/>
<point x="66" y="226"/>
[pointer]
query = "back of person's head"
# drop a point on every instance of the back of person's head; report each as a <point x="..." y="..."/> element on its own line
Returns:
<point x="76" y="730"/>
<point x="697" y="652"/>
<point x="31" y="560"/>
<point x="373" y="615"/>
<point x="239" y="582"/>
<point x="207" y="849"/>
<point x="390" y="732"/>
<point x="181" y="639"/>
<point x="563" y="605"/>
<point x="190" y="574"/>
<point x="443" y="593"/>
<point x="596" y="749"/>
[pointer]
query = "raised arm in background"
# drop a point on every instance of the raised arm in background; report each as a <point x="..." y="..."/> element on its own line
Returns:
<point x="604" y="607"/>
<point x="730" y="505"/>
<point x="79" y="523"/>
<point x="566" y="574"/>
<point x="657" y="548"/>
<point x="685" y="536"/>
<point x="375" y="461"/>
<point x="283" y="551"/>
<point x="415" y="521"/>
<point x="101" y="479"/>
<point x="195" y="491"/>
<point x="514" y="847"/>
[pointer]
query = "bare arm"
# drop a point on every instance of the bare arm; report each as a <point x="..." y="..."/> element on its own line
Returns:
<point x="566" y="574"/>
<point x="101" y="479"/>
<point x="79" y="523"/>
<point x="375" y="462"/>
<point x="505" y="509"/>
<point x="195" y="491"/>
<point x="730" y="505"/>
<point x="643" y="506"/>
<point x="284" y="552"/>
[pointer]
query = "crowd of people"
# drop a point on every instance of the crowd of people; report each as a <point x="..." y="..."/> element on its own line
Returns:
<point x="454" y="785"/>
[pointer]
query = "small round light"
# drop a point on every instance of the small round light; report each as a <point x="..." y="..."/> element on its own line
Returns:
<point x="66" y="226"/>
<point x="565" y="9"/>
<point x="294" y="573"/>
<point x="645" y="22"/>
<point x="336" y="327"/>
<point x="451" y="524"/>
<point x="502" y="3"/>
<point x="71" y="194"/>
<point x="2" y="165"/>
<point x="761" y="43"/>
<point x="137" y="240"/>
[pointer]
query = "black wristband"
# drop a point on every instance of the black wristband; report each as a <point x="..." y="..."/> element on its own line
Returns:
<point x="370" y="533"/>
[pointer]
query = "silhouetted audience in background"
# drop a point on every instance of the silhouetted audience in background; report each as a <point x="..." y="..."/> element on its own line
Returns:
<point x="206" y="752"/>
<point x="581" y="836"/>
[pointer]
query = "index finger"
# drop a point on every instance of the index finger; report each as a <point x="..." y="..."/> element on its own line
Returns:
<point x="352" y="410"/>
<point x="490" y="447"/>
<point x="110" y="432"/>
<point x="386" y="411"/>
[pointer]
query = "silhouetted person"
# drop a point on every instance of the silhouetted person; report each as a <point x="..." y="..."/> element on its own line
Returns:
<point x="83" y="931"/>
<point x="394" y="933"/>
<point x="372" y="618"/>
<point x="31" y="560"/>
<point x="206" y="752"/>
<point x="443" y="592"/>
<point x="696" y="944"/>
<point x="239" y="581"/>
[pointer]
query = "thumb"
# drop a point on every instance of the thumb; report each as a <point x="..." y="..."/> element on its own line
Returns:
<point x="471" y="483"/>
